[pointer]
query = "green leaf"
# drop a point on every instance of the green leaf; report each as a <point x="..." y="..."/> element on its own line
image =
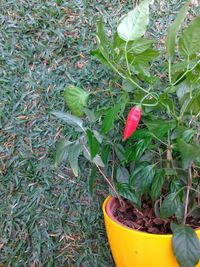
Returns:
<point x="176" y="185"/>
<point x="76" y="99"/>
<point x="141" y="134"/>
<point x="61" y="151"/>
<point x="133" y="25"/>
<point x="99" y="56"/>
<point x="118" y="43"/>
<point x="110" y="117"/>
<point x="182" y="90"/>
<point x="169" y="205"/>
<point x="178" y="132"/>
<point x="142" y="68"/>
<point x="123" y="101"/>
<point x="101" y="33"/>
<point x="98" y="161"/>
<point x="159" y="127"/>
<point x="128" y="86"/>
<point x="181" y="66"/>
<point x="191" y="105"/>
<point x="140" y="62"/>
<point x="174" y="28"/>
<point x="120" y="152"/>
<point x="190" y="39"/>
<point x="135" y="152"/>
<point x="167" y="102"/>
<point x="189" y="152"/>
<point x="91" y="180"/>
<point x="93" y="143"/>
<point x="140" y="45"/>
<point x="73" y="154"/>
<point x="98" y="136"/>
<point x="105" y="153"/>
<point x="157" y="185"/>
<point x="122" y="175"/>
<point x="195" y="211"/>
<point x="180" y="213"/>
<point x="90" y="115"/>
<point x="186" y="245"/>
<point x="146" y="56"/>
<point x="102" y="39"/>
<point x="170" y="171"/>
<point x="125" y="191"/>
<point x="70" y="119"/>
<point x="188" y="135"/>
<point x="141" y="179"/>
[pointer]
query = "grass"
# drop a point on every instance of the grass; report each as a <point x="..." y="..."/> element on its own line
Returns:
<point x="47" y="217"/>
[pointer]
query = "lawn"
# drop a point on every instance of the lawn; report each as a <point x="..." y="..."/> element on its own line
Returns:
<point x="47" y="216"/>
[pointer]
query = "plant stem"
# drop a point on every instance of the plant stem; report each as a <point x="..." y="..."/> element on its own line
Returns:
<point x="126" y="78"/>
<point x="165" y="144"/>
<point x="153" y="94"/>
<point x="116" y="70"/>
<point x="111" y="185"/>
<point x="189" y="185"/>
<point x="126" y="57"/>
<point x="136" y="84"/>
<point x="107" y="180"/>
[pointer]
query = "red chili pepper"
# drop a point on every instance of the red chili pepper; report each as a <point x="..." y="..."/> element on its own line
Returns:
<point x="132" y="121"/>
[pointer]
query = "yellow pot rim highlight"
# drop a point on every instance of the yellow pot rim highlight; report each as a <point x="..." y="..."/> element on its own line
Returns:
<point x="120" y="226"/>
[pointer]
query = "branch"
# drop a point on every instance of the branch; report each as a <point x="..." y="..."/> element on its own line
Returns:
<point x="189" y="185"/>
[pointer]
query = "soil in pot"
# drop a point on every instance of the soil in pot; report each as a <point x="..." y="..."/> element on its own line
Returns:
<point x="147" y="221"/>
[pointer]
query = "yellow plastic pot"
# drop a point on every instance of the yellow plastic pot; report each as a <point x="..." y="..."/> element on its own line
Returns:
<point x="131" y="248"/>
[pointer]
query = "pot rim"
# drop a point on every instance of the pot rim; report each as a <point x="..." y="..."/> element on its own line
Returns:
<point x="129" y="230"/>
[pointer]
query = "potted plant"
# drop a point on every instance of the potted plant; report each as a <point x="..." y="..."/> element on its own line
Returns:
<point x="151" y="159"/>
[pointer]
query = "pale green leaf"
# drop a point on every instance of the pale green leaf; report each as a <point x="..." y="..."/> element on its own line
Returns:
<point x="76" y="99"/>
<point x="133" y="25"/>
<point x="96" y="160"/>
<point x="68" y="118"/>
<point x="61" y="151"/>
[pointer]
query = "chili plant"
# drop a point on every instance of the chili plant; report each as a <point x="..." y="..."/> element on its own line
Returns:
<point x="160" y="160"/>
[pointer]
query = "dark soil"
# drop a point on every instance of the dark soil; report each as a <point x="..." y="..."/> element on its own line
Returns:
<point x="147" y="221"/>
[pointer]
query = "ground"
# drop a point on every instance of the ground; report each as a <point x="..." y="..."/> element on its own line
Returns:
<point x="47" y="216"/>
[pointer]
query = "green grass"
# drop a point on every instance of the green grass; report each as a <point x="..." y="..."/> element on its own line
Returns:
<point x="47" y="217"/>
